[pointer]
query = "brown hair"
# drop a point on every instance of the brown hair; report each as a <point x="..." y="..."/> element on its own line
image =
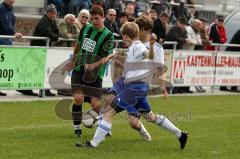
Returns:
<point x="144" y="23"/>
<point x="97" y="10"/>
<point x="130" y="29"/>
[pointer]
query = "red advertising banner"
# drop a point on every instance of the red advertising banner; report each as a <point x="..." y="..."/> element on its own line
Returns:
<point x="192" y="68"/>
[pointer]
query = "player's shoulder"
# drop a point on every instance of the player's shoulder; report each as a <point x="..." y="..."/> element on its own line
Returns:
<point x="157" y="45"/>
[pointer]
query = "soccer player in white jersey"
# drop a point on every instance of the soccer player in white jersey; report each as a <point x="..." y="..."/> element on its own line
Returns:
<point x="132" y="96"/>
<point x="145" y="26"/>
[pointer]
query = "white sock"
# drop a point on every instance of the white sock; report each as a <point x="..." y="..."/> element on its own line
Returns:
<point x="166" y="124"/>
<point x="77" y="127"/>
<point x="102" y="130"/>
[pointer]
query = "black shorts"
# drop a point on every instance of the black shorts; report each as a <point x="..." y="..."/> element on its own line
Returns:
<point x="88" y="83"/>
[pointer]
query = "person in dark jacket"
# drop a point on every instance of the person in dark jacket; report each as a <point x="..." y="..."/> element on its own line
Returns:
<point x="47" y="27"/>
<point x="177" y="33"/>
<point x="110" y="22"/>
<point x="235" y="40"/>
<point x="160" y="26"/>
<point x="7" y="24"/>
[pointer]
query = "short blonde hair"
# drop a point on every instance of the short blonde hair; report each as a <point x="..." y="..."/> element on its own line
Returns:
<point x="68" y="16"/>
<point x="130" y="29"/>
<point x="84" y="11"/>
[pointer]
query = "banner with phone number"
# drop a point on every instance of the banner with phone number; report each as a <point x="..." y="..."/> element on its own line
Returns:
<point x="22" y="68"/>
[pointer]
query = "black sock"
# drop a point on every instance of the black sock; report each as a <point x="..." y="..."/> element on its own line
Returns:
<point x="77" y="114"/>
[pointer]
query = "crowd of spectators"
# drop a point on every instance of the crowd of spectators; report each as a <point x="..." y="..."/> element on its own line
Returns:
<point x="180" y="23"/>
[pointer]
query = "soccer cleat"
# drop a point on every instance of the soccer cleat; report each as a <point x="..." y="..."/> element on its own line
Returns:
<point x="78" y="133"/>
<point x="183" y="139"/>
<point x="109" y="134"/>
<point x="88" y="144"/>
<point x="144" y="133"/>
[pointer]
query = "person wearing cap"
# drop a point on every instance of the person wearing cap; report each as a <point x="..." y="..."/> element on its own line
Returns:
<point x="7" y="24"/>
<point x="216" y="32"/>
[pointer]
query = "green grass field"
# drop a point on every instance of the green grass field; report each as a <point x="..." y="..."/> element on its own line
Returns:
<point x="32" y="130"/>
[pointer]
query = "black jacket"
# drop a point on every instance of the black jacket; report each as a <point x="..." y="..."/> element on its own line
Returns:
<point x="7" y="23"/>
<point x="45" y="28"/>
<point x="159" y="29"/>
<point x="178" y="35"/>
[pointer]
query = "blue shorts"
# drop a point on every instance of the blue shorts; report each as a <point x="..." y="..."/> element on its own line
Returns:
<point x="131" y="97"/>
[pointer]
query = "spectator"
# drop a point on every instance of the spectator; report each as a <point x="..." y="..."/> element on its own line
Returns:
<point x="204" y="35"/>
<point x="67" y="29"/>
<point x="217" y="33"/>
<point x="160" y="26"/>
<point x="83" y="18"/>
<point x="178" y="33"/>
<point x="153" y="15"/>
<point x="123" y="17"/>
<point x="57" y="3"/>
<point x="7" y="24"/>
<point x="194" y="37"/>
<point x="47" y="27"/>
<point x="110" y="22"/>
<point x="235" y="40"/>
<point x="193" y="33"/>
<point x="129" y="10"/>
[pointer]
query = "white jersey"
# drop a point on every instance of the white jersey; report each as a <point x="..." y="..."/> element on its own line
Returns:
<point x="158" y="52"/>
<point x="137" y="67"/>
<point x="135" y="56"/>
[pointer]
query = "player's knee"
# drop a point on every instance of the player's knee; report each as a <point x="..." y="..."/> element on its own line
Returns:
<point x="78" y="99"/>
<point x="150" y="117"/>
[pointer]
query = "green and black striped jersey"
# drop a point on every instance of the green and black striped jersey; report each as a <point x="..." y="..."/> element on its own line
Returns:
<point x="94" y="44"/>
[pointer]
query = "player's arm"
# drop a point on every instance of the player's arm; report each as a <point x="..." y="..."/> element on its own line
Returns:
<point x="161" y="78"/>
<point x="150" y="53"/>
<point x="70" y="65"/>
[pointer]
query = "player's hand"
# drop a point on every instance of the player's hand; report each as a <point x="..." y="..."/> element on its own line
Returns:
<point x="18" y="35"/>
<point x="153" y="38"/>
<point x="109" y="57"/>
<point x="165" y="93"/>
<point x="68" y="67"/>
<point x="89" y="67"/>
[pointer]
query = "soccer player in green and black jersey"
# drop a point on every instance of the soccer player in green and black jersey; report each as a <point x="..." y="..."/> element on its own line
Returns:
<point x="88" y="63"/>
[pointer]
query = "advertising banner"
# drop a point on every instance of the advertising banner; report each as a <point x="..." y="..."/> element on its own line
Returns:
<point x="22" y="68"/>
<point x="192" y="68"/>
<point x="227" y="69"/>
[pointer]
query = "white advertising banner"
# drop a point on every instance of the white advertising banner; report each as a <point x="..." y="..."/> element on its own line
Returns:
<point x="192" y="68"/>
<point x="54" y="64"/>
<point x="227" y="69"/>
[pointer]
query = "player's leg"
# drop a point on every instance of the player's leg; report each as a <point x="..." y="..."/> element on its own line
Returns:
<point x="78" y="100"/>
<point x="77" y="112"/>
<point x="163" y="122"/>
<point x="104" y="126"/>
<point x="137" y="125"/>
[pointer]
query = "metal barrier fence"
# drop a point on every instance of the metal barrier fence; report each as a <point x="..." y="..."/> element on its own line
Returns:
<point x="172" y="54"/>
